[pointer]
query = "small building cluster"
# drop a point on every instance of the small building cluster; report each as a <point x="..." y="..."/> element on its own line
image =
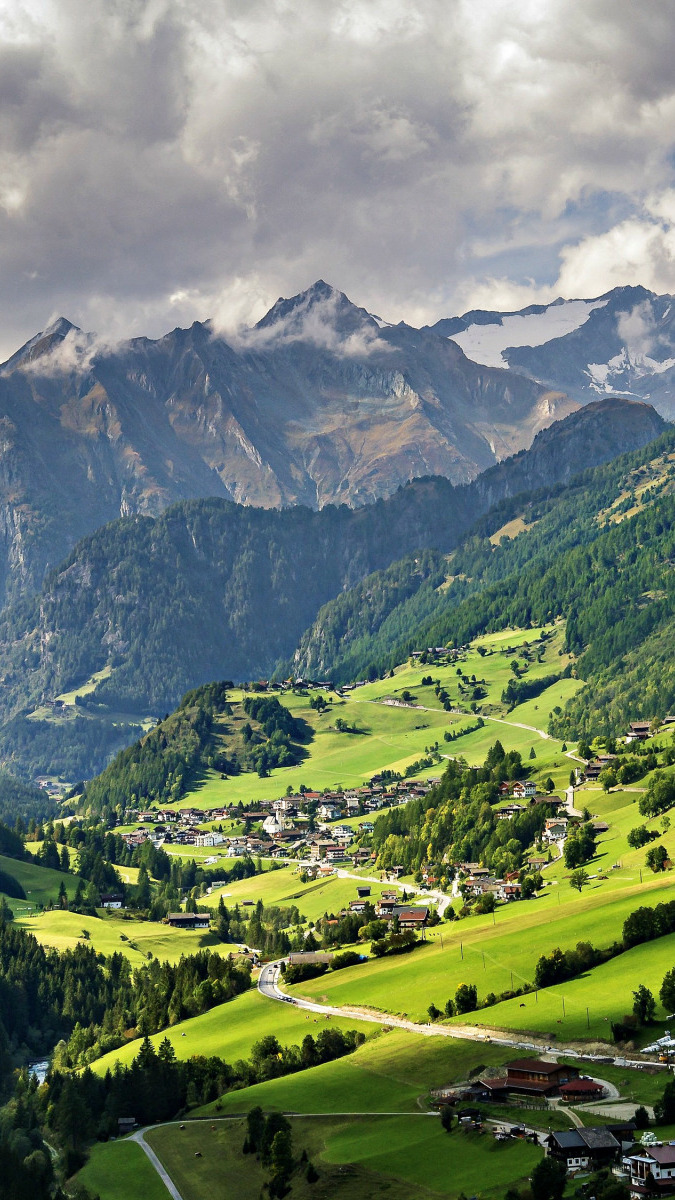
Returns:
<point x="279" y="828"/>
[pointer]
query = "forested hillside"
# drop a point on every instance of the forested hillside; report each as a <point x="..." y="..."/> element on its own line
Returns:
<point x="210" y="589"/>
<point x="598" y="553"/>
<point x="201" y="733"/>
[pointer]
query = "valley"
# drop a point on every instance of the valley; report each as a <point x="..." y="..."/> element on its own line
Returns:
<point x="427" y="815"/>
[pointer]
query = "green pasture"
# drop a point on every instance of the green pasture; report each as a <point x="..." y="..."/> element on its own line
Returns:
<point x="41" y="884"/>
<point x="614" y="857"/>
<point x="230" y="1029"/>
<point x="110" y="933"/>
<point x="495" y="956"/>
<point x="360" y="1158"/>
<point x="285" y="889"/>
<point x="121" y="1170"/>
<point x="391" y="1072"/>
<point x="86" y="688"/>
<point x="392" y="737"/>
<point x="586" y="1006"/>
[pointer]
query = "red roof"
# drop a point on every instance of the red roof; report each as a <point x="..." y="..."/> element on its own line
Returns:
<point x="581" y="1085"/>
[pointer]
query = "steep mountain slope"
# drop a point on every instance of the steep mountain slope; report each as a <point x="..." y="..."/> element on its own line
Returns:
<point x="623" y="341"/>
<point x="598" y="553"/>
<point x="211" y="588"/>
<point x="320" y="402"/>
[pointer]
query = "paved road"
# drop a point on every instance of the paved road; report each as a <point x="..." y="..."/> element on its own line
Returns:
<point x="163" y="1174"/>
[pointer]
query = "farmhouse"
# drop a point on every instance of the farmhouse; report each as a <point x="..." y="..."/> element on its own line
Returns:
<point x="532" y="1076"/>
<point x="524" y="789"/>
<point x="411" y="918"/>
<point x="188" y="920"/>
<point x="651" y="1171"/>
<point x="637" y="731"/>
<point x="111" y="900"/>
<point x="581" y="1149"/>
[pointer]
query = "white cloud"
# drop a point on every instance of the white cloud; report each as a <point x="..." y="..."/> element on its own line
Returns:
<point x="422" y="155"/>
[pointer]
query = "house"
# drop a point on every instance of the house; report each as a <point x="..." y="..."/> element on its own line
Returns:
<point x="532" y="1076"/>
<point x="358" y="906"/>
<point x="189" y="920"/>
<point x="411" y="917"/>
<point x="638" y="731"/>
<point x="111" y="900"/>
<point x="509" y="811"/>
<point x="509" y="891"/>
<point x="125" y="1125"/>
<point x="524" y="789"/>
<point x="329" y="812"/>
<point x="555" y="829"/>
<point x="589" y="1148"/>
<point x="652" y="1170"/>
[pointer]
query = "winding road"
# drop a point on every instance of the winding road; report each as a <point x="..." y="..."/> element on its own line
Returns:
<point x="268" y="986"/>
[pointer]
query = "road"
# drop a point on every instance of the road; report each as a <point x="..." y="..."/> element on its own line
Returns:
<point x="268" y="986"/>
<point x="163" y="1174"/>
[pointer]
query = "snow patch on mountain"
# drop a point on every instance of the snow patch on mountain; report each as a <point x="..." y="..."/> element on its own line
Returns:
<point x="486" y="344"/>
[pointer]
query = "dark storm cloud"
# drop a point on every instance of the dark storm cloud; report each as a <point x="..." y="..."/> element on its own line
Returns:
<point x="167" y="160"/>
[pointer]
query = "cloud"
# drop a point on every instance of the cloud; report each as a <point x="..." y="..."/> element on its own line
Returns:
<point x="317" y="321"/>
<point x="166" y="160"/>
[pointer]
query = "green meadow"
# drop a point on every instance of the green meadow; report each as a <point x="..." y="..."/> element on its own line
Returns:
<point x="394" y="737"/>
<point x="393" y="1071"/>
<point x="285" y="889"/>
<point x="41" y="884"/>
<point x="495" y="956"/>
<point x="110" y="934"/>
<point x="359" y="1158"/>
<point x="585" y="1007"/>
<point x="120" y="1171"/>
<point x="230" y="1029"/>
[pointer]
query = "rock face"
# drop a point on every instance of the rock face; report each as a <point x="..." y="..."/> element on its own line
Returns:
<point x="623" y="341"/>
<point x="319" y="403"/>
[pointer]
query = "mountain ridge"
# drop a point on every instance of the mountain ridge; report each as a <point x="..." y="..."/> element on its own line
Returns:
<point x="210" y="588"/>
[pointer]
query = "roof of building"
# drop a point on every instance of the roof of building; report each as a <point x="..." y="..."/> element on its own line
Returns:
<point x="534" y="1064"/>
<point x="599" y="1138"/>
<point x="567" y="1139"/>
<point x="581" y="1085"/>
<point x="661" y="1154"/>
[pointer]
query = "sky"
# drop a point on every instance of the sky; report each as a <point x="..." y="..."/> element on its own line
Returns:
<point x="165" y="161"/>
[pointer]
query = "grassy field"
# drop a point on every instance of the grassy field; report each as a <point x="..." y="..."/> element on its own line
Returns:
<point x="284" y="888"/>
<point x="586" y="1006"/>
<point x="230" y="1030"/>
<point x="121" y="1171"/>
<point x="365" y="1157"/>
<point x="110" y="933"/>
<point x="495" y="956"/>
<point x="40" y="884"/>
<point x="393" y="737"/>
<point x="390" y="1072"/>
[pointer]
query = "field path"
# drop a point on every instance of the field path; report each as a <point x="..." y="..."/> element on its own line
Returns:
<point x="161" y="1171"/>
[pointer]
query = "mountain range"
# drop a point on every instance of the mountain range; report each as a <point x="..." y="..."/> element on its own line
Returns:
<point x="620" y="342"/>
<point x="321" y="402"/>
<point x="151" y="606"/>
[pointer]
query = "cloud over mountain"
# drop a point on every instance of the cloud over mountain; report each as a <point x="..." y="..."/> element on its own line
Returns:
<point x="170" y="160"/>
